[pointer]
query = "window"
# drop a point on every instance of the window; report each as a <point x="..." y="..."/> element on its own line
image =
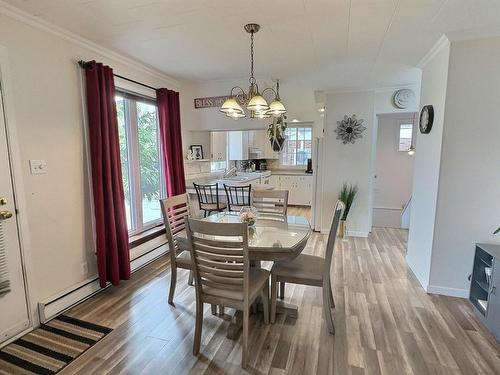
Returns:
<point x="298" y="146"/>
<point x="405" y="136"/>
<point x="141" y="161"/>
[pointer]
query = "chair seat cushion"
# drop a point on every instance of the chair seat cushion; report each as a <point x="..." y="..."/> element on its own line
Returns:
<point x="184" y="258"/>
<point x="213" y="206"/>
<point x="257" y="278"/>
<point x="304" y="267"/>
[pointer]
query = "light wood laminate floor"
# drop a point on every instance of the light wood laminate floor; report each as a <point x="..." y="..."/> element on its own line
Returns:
<point x="385" y="324"/>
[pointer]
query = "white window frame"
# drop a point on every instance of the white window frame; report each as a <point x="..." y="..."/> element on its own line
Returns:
<point x="400" y="124"/>
<point x="291" y="126"/>
<point x="131" y="129"/>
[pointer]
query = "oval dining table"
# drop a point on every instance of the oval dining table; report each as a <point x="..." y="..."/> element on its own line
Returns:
<point x="272" y="238"/>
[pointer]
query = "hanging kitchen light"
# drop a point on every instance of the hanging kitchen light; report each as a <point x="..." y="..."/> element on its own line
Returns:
<point x="254" y="101"/>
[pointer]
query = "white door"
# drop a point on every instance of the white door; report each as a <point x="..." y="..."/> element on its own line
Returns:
<point x="13" y="308"/>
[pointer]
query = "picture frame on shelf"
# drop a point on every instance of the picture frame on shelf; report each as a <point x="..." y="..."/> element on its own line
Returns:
<point x="197" y="151"/>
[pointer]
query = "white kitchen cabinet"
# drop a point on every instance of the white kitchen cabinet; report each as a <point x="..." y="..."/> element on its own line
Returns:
<point x="259" y="145"/>
<point x="218" y="146"/>
<point x="238" y="145"/>
<point x="299" y="188"/>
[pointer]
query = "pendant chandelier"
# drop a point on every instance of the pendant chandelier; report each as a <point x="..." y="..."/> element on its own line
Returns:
<point x="254" y="101"/>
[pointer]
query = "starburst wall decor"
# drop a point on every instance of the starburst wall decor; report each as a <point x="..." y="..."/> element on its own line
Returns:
<point x="350" y="129"/>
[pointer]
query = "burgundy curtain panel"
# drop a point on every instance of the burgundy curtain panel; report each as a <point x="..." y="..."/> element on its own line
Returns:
<point x="171" y="140"/>
<point x="113" y="257"/>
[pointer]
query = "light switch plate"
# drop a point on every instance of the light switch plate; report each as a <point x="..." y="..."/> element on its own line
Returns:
<point x="38" y="166"/>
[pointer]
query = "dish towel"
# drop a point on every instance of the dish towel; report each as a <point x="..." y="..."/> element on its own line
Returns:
<point x="4" y="275"/>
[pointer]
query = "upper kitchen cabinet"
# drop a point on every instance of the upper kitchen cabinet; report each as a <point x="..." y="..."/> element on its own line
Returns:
<point x="259" y="146"/>
<point x="238" y="145"/>
<point x="218" y="146"/>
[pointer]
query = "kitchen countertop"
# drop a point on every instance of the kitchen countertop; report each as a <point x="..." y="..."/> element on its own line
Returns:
<point x="289" y="172"/>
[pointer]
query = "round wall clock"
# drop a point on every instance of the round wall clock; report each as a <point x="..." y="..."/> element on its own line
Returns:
<point x="426" y="119"/>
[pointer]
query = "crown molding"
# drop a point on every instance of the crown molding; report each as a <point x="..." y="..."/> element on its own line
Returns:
<point x="491" y="31"/>
<point x="442" y="42"/>
<point x="369" y="89"/>
<point x="37" y="22"/>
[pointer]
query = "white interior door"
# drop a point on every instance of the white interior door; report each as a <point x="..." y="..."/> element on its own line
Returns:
<point x="14" y="316"/>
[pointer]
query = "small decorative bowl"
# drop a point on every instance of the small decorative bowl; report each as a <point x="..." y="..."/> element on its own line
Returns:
<point x="248" y="215"/>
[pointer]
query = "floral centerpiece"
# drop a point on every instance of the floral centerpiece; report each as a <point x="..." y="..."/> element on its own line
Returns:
<point x="248" y="215"/>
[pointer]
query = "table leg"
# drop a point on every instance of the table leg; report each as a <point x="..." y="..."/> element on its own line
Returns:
<point x="237" y="319"/>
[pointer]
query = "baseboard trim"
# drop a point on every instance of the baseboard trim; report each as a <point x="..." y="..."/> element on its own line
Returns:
<point x="61" y="302"/>
<point x="349" y="233"/>
<point x="355" y="233"/>
<point x="451" y="292"/>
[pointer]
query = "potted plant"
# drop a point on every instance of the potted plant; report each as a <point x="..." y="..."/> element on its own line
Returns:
<point x="495" y="232"/>
<point x="346" y="195"/>
<point x="276" y="133"/>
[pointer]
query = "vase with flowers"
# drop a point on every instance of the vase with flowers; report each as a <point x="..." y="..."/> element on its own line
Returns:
<point x="248" y="215"/>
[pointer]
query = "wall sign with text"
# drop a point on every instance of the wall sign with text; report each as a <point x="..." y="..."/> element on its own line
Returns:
<point x="209" y="102"/>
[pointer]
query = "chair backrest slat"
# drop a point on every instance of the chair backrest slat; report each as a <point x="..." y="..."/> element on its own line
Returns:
<point x="220" y="256"/>
<point x="237" y="196"/>
<point x="207" y="194"/>
<point x="270" y="201"/>
<point x="175" y="210"/>
<point x="330" y="245"/>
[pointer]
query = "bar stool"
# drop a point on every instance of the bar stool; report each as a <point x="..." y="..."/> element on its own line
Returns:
<point x="237" y="196"/>
<point x="208" y="198"/>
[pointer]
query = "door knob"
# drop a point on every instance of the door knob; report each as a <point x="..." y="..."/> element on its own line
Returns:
<point x="4" y="215"/>
<point x="3" y="201"/>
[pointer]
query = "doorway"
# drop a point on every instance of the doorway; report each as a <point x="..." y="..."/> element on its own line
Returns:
<point x="14" y="314"/>
<point x="392" y="187"/>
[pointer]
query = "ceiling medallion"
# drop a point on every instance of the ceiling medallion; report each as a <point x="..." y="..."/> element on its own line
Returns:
<point x="403" y="98"/>
<point x="254" y="101"/>
<point x="349" y="129"/>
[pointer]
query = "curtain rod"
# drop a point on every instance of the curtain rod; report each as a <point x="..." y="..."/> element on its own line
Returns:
<point x="83" y="63"/>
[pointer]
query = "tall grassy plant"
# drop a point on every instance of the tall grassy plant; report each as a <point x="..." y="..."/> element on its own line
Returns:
<point x="347" y="194"/>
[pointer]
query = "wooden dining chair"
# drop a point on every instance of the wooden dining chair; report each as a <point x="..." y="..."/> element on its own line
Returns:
<point x="310" y="270"/>
<point x="273" y="202"/>
<point x="237" y="196"/>
<point x="208" y="198"/>
<point x="175" y="210"/>
<point x="223" y="275"/>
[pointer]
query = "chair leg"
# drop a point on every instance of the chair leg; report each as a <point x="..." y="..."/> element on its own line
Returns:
<point x="332" y="302"/>
<point x="273" y="297"/>
<point x="221" y="310"/>
<point x="204" y="213"/>
<point x="244" y="344"/>
<point x="265" y="302"/>
<point x="173" y="282"/>
<point x="214" y="309"/>
<point x="198" y="327"/>
<point x="191" y="278"/>
<point x="282" y="290"/>
<point x="327" y="309"/>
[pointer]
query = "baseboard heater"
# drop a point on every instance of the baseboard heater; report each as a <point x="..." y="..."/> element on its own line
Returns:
<point x="63" y="301"/>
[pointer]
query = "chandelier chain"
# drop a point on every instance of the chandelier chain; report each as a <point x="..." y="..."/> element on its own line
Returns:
<point x="252" y="78"/>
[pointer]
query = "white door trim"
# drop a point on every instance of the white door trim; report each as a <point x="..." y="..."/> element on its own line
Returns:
<point x="18" y="186"/>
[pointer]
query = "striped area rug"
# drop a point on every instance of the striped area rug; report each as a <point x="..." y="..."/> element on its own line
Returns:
<point x="50" y="347"/>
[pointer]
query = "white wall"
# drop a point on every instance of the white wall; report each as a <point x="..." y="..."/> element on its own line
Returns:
<point x="426" y="167"/>
<point x="394" y="170"/>
<point x="468" y="204"/>
<point x="46" y="109"/>
<point x="354" y="163"/>
<point x="349" y="162"/>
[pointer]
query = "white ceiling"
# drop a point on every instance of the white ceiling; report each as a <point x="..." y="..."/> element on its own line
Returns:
<point x="326" y="44"/>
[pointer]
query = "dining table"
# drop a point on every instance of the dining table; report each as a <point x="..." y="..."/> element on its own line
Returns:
<point x="272" y="238"/>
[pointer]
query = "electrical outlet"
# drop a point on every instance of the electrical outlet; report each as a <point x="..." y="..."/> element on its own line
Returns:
<point x="85" y="268"/>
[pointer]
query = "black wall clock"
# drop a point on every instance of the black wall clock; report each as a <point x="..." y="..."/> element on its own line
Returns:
<point x="426" y="119"/>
